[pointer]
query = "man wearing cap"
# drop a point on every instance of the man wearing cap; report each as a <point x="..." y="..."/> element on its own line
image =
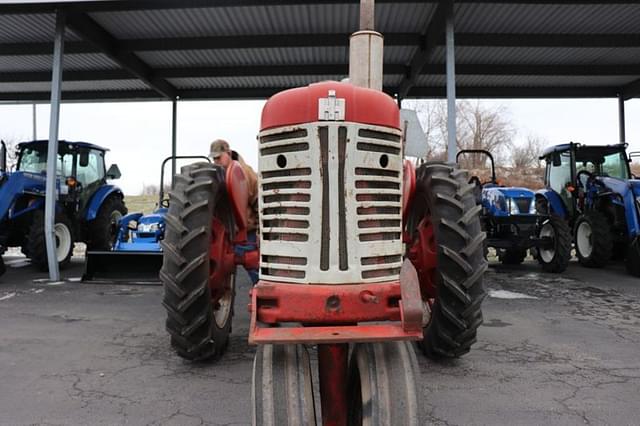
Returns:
<point x="222" y="155"/>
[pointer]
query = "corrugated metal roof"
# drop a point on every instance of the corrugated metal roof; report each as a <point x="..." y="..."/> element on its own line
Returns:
<point x="265" y="56"/>
<point x="541" y="55"/>
<point x="547" y="18"/>
<point x="276" y="56"/>
<point x="73" y="86"/>
<point x="148" y="40"/>
<point x="89" y="61"/>
<point x="29" y="28"/>
<point x="526" y="81"/>
<point x="258" y="82"/>
<point x="261" y="20"/>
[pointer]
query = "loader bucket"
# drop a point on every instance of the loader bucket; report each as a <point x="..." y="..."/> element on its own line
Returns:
<point x="130" y="267"/>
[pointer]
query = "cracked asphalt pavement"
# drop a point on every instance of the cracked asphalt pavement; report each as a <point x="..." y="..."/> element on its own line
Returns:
<point x="554" y="349"/>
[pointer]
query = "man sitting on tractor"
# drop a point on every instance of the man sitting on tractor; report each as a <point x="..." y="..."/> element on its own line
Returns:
<point x="222" y="155"/>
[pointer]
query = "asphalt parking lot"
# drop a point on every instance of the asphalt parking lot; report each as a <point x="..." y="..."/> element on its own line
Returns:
<point x="76" y="353"/>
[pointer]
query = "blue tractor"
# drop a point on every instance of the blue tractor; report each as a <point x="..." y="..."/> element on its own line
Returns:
<point x="88" y="209"/>
<point x="136" y="254"/>
<point x="514" y="226"/>
<point x="592" y="188"/>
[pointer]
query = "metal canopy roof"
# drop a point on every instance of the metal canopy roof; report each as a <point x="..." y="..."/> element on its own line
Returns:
<point x="223" y="49"/>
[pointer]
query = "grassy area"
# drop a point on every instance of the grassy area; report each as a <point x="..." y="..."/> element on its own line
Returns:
<point x="141" y="203"/>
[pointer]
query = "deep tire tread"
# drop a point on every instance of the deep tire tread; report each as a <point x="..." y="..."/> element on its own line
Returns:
<point x="442" y="193"/>
<point x="195" y="335"/>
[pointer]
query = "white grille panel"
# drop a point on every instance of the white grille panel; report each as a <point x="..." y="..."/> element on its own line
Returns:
<point x="330" y="203"/>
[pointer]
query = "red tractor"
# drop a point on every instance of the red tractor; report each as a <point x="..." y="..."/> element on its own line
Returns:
<point x="359" y="254"/>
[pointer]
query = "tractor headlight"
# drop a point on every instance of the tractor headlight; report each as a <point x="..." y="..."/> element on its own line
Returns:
<point x="513" y="207"/>
<point x="532" y="207"/>
<point x="147" y="227"/>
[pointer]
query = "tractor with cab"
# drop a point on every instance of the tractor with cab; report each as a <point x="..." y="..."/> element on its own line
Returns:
<point x="591" y="187"/>
<point x="514" y="226"/>
<point x="88" y="208"/>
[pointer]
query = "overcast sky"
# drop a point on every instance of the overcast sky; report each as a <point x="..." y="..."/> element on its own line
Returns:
<point x="139" y="134"/>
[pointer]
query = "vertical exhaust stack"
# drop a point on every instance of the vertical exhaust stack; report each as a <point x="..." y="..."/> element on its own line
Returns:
<point x="366" y="51"/>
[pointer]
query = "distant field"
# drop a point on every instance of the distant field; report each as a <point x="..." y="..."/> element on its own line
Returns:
<point x="141" y="203"/>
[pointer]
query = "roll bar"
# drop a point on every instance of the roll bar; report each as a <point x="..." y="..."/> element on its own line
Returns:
<point x="481" y="151"/>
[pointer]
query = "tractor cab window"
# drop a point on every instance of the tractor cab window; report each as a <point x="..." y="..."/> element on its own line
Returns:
<point x="34" y="159"/>
<point x="615" y="165"/>
<point x="599" y="164"/>
<point x="559" y="176"/>
<point x="90" y="168"/>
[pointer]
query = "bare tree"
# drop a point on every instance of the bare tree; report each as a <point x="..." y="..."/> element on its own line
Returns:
<point x="527" y="156"/>
<point x="478" y="126"/>
<point x="150" y="189"/>
<point x="153" y="189"/>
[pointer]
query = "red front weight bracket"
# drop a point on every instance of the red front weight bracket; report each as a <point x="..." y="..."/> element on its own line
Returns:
<point x="337" y="313"/>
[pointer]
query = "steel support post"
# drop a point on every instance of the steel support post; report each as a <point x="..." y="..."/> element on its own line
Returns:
<point x="52" y="151"/>
<point x="621" y="122"/>
<point x="332" y="367"/>
<point x="451" y="88"/>
<point x="174" y="132"/>
<point x="34" y="124"/>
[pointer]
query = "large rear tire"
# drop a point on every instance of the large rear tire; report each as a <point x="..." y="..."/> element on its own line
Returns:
<point x="633" y="258"/>
<point x="282" y="391"/>
<point x="37" y="246"/>
<point x="555" y="258"/>
<point x="444" y="201"/>
<point x="382" y="389"/>
<point x="593" y="239"/>
<point x="103" y="230"/>
<point x="199" y="326"/>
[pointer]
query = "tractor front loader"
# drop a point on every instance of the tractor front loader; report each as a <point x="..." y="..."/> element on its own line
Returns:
<point x="359" y="254"/>
<point x="135" y="255"/>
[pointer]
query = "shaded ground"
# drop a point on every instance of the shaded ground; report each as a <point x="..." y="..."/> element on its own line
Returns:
<point x="98" y="354"/>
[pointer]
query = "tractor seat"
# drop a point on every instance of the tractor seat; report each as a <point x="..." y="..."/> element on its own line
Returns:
<point x="477" y="188"/>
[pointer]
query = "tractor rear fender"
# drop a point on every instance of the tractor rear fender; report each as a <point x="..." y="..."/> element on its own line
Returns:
<point x="408" y="189"/>
<point x="554" y="202"/>
<point x="98" y="199"/>
<point x="238" y="190"/>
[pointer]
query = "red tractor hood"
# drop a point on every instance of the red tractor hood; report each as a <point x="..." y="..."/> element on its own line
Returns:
<point x="300" y="105"/>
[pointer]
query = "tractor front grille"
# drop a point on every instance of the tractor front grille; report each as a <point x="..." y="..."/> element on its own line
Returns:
<point x="330" y="199"/>
<point x="524" y="204"/>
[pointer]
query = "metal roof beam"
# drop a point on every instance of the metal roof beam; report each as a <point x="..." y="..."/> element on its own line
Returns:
<point x="631" y="90"/>
<point x="326" y="69"/>
<point x="331" y="40"/>
<point x="516" y="92"/>
<point x="208" y="43"/>
<point x="87" y="28"/>
<point x="263" y="93"/>
<point x="433" y="33"/>
<point x="536" y="69"/>
<point x="24" y="49"/>
<point x="125" y="5"/>
<point x="546" y="40"/>
<point x="259" y="41"/>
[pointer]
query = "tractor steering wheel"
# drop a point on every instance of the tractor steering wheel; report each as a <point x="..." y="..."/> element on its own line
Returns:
<point x="580" y="180"/>
<point x="164" y="203"/>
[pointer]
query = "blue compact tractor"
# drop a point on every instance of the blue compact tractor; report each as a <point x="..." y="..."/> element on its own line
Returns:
<point x="513" y="224"/>
<point x="87" y="210"/>
<point x="592" y="188"/>
<point x="136" y="254"/>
